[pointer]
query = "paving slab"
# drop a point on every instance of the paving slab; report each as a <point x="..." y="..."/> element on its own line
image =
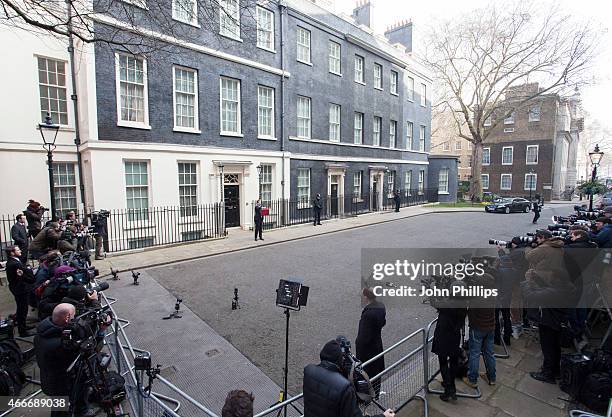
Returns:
<point x="530" y="363"/>
<point x="548" y="393"/>
<point x="462" y="407"/>
<point x="518" y="404"/>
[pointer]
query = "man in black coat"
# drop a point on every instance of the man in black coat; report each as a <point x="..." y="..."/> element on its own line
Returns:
<point x="34" y="214"/>
<point x="258" y="219"/>
<point x="327" y="391"/>
<point x="19" y="234"/>
<point x="369" y="338"/>
<point x="54" y="358"/>
<point x="20" y="278"/>
<point x="397" y="199"/>
<point x="317" y="206"/>
<point x="537" y="208"/>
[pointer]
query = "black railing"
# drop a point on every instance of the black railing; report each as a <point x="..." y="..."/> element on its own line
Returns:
<point x="289" y="212"/>
<point x="153" y="226"/>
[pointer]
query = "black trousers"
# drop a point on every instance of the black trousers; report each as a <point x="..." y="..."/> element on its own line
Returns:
<point x="397" y="206"/>
<point x="550" y="341"/>
<point x="448" y="370"/>
<point x="536" y="216"/>
<point x="22" y="311"/>
<point x="258" y="229"/>
<point x="317" y="216"/>
<point x="502" y="321"/>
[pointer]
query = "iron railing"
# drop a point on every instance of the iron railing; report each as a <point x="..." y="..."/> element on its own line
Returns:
<point x="141" y="228"/>
<point x="289" y="212"/>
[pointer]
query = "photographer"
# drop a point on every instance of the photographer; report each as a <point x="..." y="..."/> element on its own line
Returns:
<point x="55" y="290"/>
<point x="46" y="240"/>
<point x="67" y="241"/>
<point x="20" y="278"/>
<point x="327" y="391"/>
<point x="101" y="229"/>
<point x="54" y="358"/>
<point x="34" y="214"/>
<point x="603" y="236"/>
<point x="238" y="403"/>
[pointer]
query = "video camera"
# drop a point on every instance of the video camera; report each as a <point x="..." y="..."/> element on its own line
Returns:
<point x="353" y="371"/>
<point x="82" y="331"/>
<point x="524" y="241"/>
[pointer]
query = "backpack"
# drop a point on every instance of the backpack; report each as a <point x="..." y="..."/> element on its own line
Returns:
<point x="597" y="391"/>
<point x="574" y="369"/>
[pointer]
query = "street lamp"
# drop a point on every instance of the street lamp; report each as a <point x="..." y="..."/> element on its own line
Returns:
<point x="595" y="158"/>
<point x="259" y="180"/>
<point x="221" y="166"/>
<point x="48" y="131"/>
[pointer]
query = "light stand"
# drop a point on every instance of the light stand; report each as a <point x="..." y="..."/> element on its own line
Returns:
<point x="290" y="295"/>
<point x="48" y="131"/>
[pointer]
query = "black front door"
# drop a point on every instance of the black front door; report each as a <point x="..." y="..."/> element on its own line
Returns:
<point x="334" y="200"/>
<point x="231" y="194"/>
<point x="374" y="195"/>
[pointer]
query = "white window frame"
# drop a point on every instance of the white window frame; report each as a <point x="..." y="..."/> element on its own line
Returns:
<point x="443" y="185"/>
<point x="423" y="95"/>
<point x="537" y="154"/>
<point x="410" y="88"/>
<point x="483" y="156"/>
<point x="269" y="32"/>
<point x="333" y="59"/>
<point x="194" y="12"/>
<point x="482" y="176"/>
<point x="446" y="146"/>
<point x="357" y="185"/>
<point x="378" y="76"/>
<point x="302" y="118"/>
<point x="238" y="133"/>
<point x="358" y="128"/>
<point x="361" y="72"/>
<point x="394" y="83"/>
<point x="535" y="182"/>
<point x="267" y="172"/>
<point x="509" y="120"/>
<point x="229" y="15"/>
<point x="303" y="198"/>
<point x="458" y="145"/>
<point x="501" y="182"/>
<point x="422" y="138"/>
<point x="376" y="130"/>
<point x="128" y="123"/>
<point x="511" y="155"/>
<point x="142" y="214"/>
<point x="65" y="187"/>
<point x="532" y="114"/>
<point x="409" y="135"/>
<point x="335" y="123"/>
<point x="47" y="85"/>
<point x="390" y="183"/>
<point x="421" y="184"/>
<point x="488" y="121"/>
<point x="196" y="114"/>
<point x="303" y="46"/>
<point x="188" y="210"/>
<point x="407" y="183"/>
<point x="392" y="134"/>
<point x="269" y="109"/>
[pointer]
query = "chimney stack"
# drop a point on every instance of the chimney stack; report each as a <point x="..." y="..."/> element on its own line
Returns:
<point x="362" y="13"/>
<point x="401" y="32"/>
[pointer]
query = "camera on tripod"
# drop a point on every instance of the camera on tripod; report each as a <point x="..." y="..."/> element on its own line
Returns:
<point x="353" y="371"/>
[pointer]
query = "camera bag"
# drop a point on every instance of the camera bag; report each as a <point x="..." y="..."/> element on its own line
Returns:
<point x="597" y="391"/>
<point x="574" y="369"/>
<point x="12" y="351"/>
<point x="113" y="389"/>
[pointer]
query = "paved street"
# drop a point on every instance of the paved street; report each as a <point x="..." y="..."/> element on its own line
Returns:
<point x="330" y="265"/>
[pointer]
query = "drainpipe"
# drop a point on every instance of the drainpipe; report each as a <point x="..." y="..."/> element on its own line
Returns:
<point x="282" y="8"/>
<point x="73" y="96"/>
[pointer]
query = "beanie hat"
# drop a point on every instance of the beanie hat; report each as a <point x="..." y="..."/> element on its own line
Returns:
<point x="331" y="352"/>
<point x="76" y="292"/>
<point x="64" y="269"/>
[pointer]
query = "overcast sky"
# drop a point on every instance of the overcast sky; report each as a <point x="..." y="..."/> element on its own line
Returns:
<point x="596" y="98"/>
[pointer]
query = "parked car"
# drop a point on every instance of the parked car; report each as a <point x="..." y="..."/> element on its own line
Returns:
<point x="509" y="205"/>
<point x="606" y="200"/>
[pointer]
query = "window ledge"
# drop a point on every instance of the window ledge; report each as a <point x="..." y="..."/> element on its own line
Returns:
<point x="379" y="89"/>
<point x="394" y="94"/>
<point x="304" y="62"/>
<point x="194" y="24"/>
<point x="139" y="4"/>
<point x="231" y="134"/>
<point x="531" y="163"/>
<point x="339" y="74"/>
<point x="267" y="138"/>
<point x="443" y="193"/>
<point x="186" y="130"/>
<point x="410" y="100"/>
<point x="228" y="36"/>
<point x="507" y="164"/>
<point x="267" y="49"/>
<point x="134" y="125"/>
<point x="360" y="82"/>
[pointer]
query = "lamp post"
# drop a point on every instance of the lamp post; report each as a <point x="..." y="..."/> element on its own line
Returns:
<point x="48" y="131"/>
<point x="221" y="166"/>
<point x="595" y="158"/>
<point x="259" y="180"/>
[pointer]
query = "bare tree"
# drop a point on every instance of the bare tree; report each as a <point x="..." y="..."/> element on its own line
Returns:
<point x="135" y="25"/>
<point x="480" y="58"/>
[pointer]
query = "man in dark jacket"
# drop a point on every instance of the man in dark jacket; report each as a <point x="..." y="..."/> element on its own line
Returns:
<point x="258" y="219"/>
<point x="34" y="213"/>
<point x="20" y="279"/>
<point x="327" y="391"/>
<point x="19" y="234"/>
<point x="45" y="240"/>
<point x="397" y="200"/>
<point x="537" y="208"/>
<point x="603" y="237"/>
<point x="317" y="206"/>
<point x="54" y="358"/>
<point x="369" y="338"/>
